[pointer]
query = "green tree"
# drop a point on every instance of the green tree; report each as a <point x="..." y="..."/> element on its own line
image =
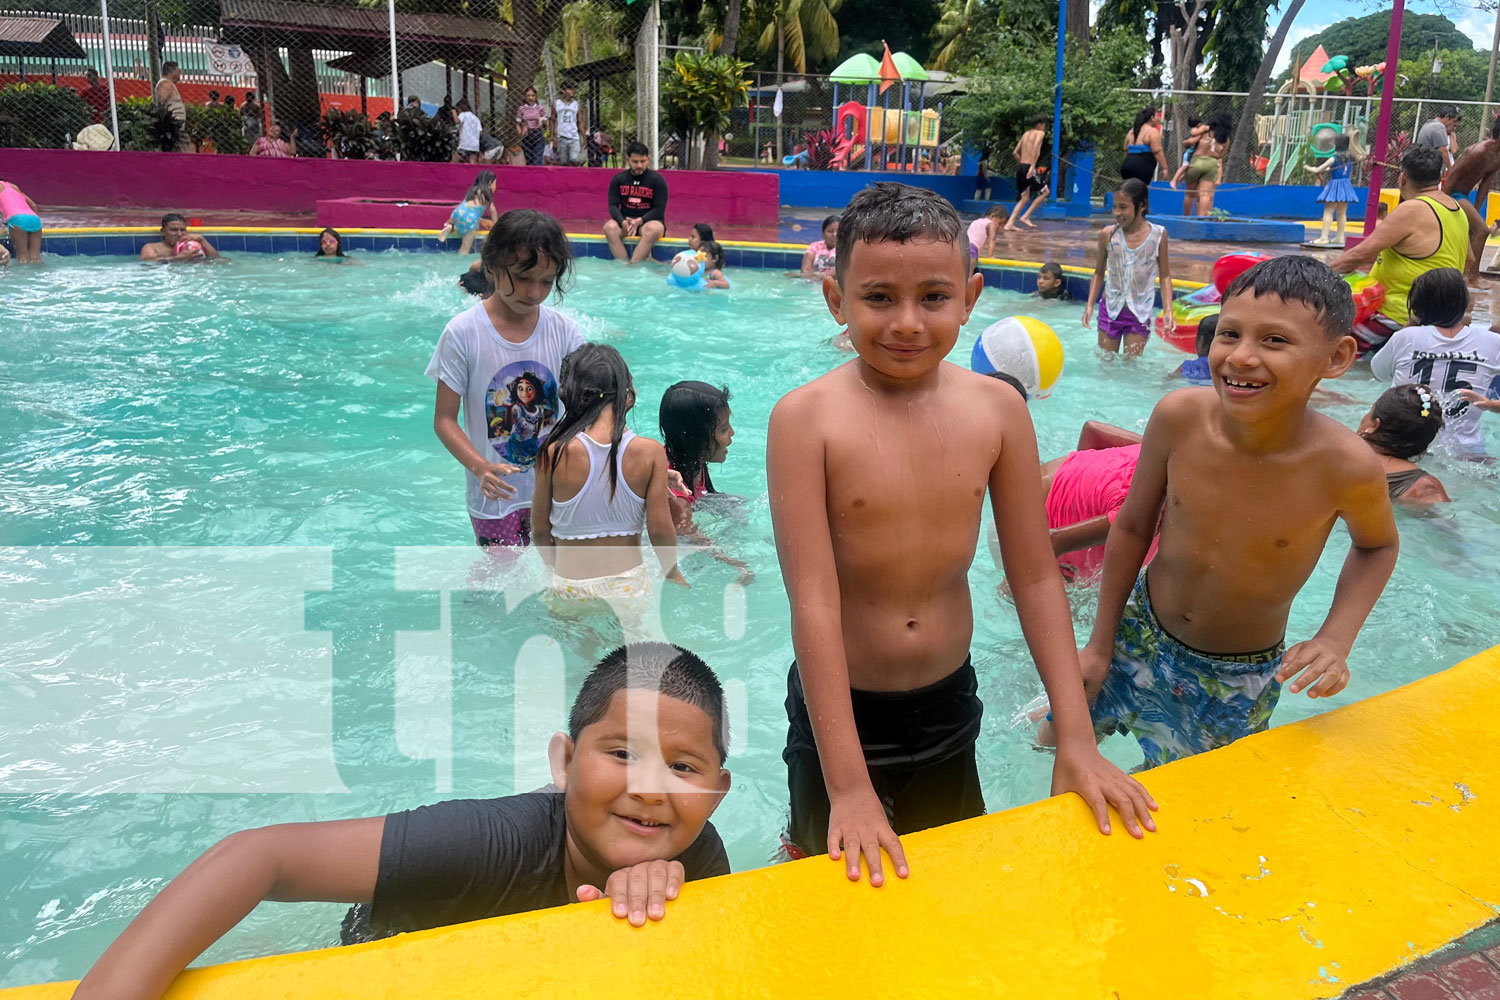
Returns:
<point x="1462" y="77"/>
<point x="799" y="32"/>
<point x="698" y="93"/>
<point x="1364" y="39"/>
<point x="1011" y="81"/>
<point x="957" y="34"/>
<point x="905" y="24"/>
<point x="1235" y="46"/>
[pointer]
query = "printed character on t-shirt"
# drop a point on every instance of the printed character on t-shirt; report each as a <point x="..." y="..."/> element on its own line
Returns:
<point x="520" y="409"/>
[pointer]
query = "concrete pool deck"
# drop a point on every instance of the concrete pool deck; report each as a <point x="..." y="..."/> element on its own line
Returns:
<point x="1292" y="864"/>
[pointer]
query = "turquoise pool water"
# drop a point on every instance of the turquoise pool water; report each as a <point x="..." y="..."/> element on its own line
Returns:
<point x="158" y="694"/>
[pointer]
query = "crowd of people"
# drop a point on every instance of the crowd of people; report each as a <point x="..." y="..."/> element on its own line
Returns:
<point x="1189" y="650"/>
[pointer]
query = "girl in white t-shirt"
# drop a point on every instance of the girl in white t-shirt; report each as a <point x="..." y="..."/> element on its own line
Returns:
<point x="498" y="362"/>
<point x="1460" y="362"/>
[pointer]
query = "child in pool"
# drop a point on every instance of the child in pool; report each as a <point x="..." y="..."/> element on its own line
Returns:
<point x="629" y="827"/>
<point x="474" y="281"/>
<point x="1086" y="490"/>
<point x="882" y="698"/>
<point x="1460" y="360"/>
<point x="1050" y="283"/>
<point x="983" y="230"/>
<point x="695" y="256"/>
<point x="331" y="245"/>
<point x="1400" y="426"/>
<point x="696" y="432"/>
<point x="1191" y="654"/>
<point x="1197" y="370"/>
<point x="479" y="363"/>
<point x="464" y="221"/>
<point x="598" y="486"/>
<point x="1131" y="259"/>
<point x="19" y="214"/>
<point x="819" y="258"/>
<point x="714" y="263"/>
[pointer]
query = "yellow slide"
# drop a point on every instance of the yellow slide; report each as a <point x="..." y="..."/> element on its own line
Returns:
<point x="1293" y="864"/>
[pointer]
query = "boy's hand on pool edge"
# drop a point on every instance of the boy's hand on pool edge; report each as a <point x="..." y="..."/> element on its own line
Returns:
<point x="857" y="824"/>
<point x="1083" y="769"/>
<point x="639" y="892"/>
<point x="1323" y="668"/>
<point x="492" y="485"/>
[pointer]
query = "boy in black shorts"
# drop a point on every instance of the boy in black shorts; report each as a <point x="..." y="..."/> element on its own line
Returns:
<point x="1029" y="186"/>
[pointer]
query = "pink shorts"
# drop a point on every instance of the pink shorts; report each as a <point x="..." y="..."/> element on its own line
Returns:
<point x="514" y="529"/>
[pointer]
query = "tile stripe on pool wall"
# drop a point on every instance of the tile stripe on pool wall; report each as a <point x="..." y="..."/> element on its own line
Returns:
<point x="1008" y="275"/>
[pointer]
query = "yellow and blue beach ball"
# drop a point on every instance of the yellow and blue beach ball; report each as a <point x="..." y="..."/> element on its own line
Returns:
<point x="1023" y="347"/>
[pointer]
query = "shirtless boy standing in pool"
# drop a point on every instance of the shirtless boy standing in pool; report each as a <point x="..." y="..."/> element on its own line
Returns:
<point x="1247" y="483"/>
<point x="877" y="473"/>
<point x="1028" y="185"/>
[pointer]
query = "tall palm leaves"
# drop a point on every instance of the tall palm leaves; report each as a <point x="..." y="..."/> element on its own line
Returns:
<point x="800" y="31"/>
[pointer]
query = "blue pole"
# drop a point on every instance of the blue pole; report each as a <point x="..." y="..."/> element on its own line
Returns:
<point x="869" y="135"/>
<point x="1062" y="35"/>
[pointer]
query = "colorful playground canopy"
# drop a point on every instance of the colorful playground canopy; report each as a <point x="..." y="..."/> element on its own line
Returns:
<point x="865" y="68"/>
<point x="1312" y="70"/>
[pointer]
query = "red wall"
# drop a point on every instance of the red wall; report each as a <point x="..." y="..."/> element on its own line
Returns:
<point x="186" y="181"/>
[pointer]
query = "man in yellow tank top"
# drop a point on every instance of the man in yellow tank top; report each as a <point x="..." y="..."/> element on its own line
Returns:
<point x="1428" y="230"/>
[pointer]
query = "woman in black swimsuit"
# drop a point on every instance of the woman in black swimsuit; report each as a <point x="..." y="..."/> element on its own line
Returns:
<point x="1400" y="426"/>
<point x="1143" y="152"/>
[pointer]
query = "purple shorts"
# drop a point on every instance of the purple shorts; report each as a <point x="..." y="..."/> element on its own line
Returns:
<point x="973" y="251"/>
<point x="1123" y="324"/>
<point x="514" y="529"/>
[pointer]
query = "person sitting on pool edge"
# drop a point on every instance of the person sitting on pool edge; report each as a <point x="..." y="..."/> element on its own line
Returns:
<point x="1190" y="653"/>
<point x="174" y="231"/>
<point x="637" y="206"/>
<point x="626" y="817"/>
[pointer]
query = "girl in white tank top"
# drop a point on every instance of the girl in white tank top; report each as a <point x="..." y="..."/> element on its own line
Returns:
<point x="598" y="486"/>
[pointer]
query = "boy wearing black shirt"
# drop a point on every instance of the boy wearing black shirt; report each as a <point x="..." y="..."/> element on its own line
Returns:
<point x="637" y="206"/>
<point x="628" y="819"/>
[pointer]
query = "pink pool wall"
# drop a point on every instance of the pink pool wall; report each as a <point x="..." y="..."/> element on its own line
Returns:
<point x="195" y="182"/>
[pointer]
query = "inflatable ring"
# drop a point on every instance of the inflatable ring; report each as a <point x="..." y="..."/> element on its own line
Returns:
<point x="1188" y="310"/>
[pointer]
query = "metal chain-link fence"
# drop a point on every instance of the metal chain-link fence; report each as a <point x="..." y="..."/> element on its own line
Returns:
<point x="477" y="80"/>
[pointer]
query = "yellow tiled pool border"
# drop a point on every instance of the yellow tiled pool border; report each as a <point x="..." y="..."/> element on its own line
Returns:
<point x="1292" y="864"/>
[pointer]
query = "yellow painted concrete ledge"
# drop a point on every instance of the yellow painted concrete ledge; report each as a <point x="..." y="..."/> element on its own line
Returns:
<point x="1290" y="865"/>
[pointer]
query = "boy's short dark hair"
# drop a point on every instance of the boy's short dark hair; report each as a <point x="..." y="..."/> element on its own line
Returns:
<point x="637" y="148"/>
<point x="1013" y="382"/>
<point x="474" y="282"/>
<point x="171" y="217"/>
<point x="1423" y="164"/>
<point x="1295" y="278"/>
<point x="1208" y="328"/>
<point x="1039" y="119"/>
<point x="898" y="212"/>
<point x="1439" y="297"/>
<point x="651" y="666"/>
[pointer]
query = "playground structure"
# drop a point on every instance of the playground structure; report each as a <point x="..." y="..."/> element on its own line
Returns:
<point x="871" y="133"/>
<point x="1311" y="110"/>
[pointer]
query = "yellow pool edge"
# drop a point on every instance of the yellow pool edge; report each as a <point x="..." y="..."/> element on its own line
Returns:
<point x="1295" y="863"/>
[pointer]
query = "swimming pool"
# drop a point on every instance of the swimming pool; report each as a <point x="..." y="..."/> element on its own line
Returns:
<point x="206" y="444"/>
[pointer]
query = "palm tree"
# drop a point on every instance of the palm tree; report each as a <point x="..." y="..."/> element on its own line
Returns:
<point x="799" y="31"/>
<point x="953" y="31"/>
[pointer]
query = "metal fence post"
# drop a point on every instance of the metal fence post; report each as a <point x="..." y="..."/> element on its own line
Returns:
<point x="395" y="70"/>
<point x="109" y="74"/>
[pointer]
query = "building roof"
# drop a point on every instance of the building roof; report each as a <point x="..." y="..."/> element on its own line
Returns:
<point x="38" y="36"/>
<point x="353" y="28"/>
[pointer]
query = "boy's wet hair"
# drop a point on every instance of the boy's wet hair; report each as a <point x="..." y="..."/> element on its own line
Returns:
<point x="652" y="666"/>
<point x="1404" y="430"/>
<point x="1039" y="119"/>
<point x="1208" y="328"/>
<point x="171" y="217"/>
<point x="1295" y="278"/>
<point x="522" y="237"/>
<point x="897" y="212"/>
<point x="1439" y="297"/>
<point x="1423" y="165"/>
<point x="1013" y="382"/>
<point x="475" y="283"/>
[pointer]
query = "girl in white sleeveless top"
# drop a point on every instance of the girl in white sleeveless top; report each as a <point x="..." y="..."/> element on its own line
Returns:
<point x="598" y="486"/>
<point x="1132" y="258"/>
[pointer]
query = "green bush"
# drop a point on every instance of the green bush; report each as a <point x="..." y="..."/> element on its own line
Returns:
<point x="41" y="116"/>
<point x="144" y="128"/>
<point x="351" y="135"/>
<point x="225" y="126"/>
<point x="423" y="139"/>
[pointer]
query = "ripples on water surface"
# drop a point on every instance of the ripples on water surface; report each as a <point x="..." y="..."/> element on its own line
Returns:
<point x="281" y="402"/>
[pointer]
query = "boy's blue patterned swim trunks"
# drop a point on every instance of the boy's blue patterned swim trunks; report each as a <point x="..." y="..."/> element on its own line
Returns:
<point x="1176" y="700"/>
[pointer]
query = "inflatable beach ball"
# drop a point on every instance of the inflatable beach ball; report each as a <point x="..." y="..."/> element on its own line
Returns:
<point x="187" y="247"/>
<point x="1022" y="347"/>
<point x="682" y="264"/>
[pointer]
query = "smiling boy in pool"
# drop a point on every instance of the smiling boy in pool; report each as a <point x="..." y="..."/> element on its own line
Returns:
<point x="1247" y="483"/>
<point x="628" y="820"/>
<point x="877" y="473"/>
